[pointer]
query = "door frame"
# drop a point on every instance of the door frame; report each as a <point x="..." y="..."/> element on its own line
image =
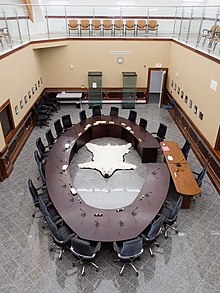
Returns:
<point x="148" y="80"/>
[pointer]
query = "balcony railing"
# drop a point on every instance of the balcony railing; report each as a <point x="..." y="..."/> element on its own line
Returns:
<point x="197" y="26"/>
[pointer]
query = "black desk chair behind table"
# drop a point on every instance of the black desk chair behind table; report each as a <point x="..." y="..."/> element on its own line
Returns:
<point x="96" y="111"/>
<point x="128" y="252"/>
<point x="67" y="123"/>
<point x="82" y="115"/>
<point x="143" y="123"/>
<point x="114" y="111"/>
<point x="186" y="148"/>
<point x="42" y="149"/>
<point x="58" y="127"/>
<point x="161" y="132"/>
<point x="153" y="231"/>
<point x="85" y="251"/>
<point x="132" y="116"/>
<point x="61" y="234"/>
<point x="50" y="138"/>
<point x="199" y="176"/>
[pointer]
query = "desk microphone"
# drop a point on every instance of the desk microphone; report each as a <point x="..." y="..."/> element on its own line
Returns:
<point x="70" y="184"/>
<point x="96" y="223"/>
<point x="121" y="223"/>
<point x="145" y="195"/>
<point x="155" y="171"/>
<point x="133" y="212"/>
<point x="83" y="214"/>
<point x="64" y="184"/>
<point x="79" y="200"/>
<point x="70" y="194"/>
<point x="68" y="138"/>
<point x="178" y="163"/>
<point x="61" y="171"/>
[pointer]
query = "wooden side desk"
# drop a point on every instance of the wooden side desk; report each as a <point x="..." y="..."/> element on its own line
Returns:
<point x="93" y="223"/>
<point x="180" y="172"/>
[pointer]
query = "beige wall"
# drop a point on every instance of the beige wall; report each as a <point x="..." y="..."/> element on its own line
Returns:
<point x="21" y="70"/>
<point x="18" y="74"/>
<point x="195" y="74"/>
<point x="96" y="55"/>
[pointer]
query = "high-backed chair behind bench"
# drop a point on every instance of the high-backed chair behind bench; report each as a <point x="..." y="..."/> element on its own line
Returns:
<point x="85" y="26"/>
<point x="141" y="26"/>
<point x="42" y="149"/>
<point x="152" y="26"/>
<point x="143" y="123"/>
<point x="119" y="26"/>
<point x="58" y="127"/>
<point x="107" y="26"/>
<point x="82" y="115"/>
<point x="114" y="111"/>
<point x="73" y="26"/>
<point x="199" y="176"/>
<point x="161" y="132"/>
<point x="50" y="138"/>
<point x="128" y="252"/>
<point x="67" y="122"/>
<point x="130" y="26"/>
<point x="186" y="148"/>
<point x="96" y="26"/>
<point x="132" y="116"/>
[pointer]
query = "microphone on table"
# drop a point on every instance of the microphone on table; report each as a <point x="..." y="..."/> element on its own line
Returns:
<point x="178" y="163"/>
<point x="61" y="171"/>
<point x="96" y="223"/>
<point x="72" y="197"/>
<point x="83" y="213"/>
<point x="68" y="138"/>
<point x="70" y="184"/>
<point x="147" y="194"/>
<point x="121" y="223"/>
<point x="64" y="184"/>
<point x="155" y="171"/>
<point x="133" y="212"/>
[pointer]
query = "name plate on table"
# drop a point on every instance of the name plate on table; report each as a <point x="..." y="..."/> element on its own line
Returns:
<point x="79" y="133"/>
<point x="99" y="122"/>
<point x="111" y="122"/>
<point x="128" y="128"/>
<point x="67" y="145"/>
<point x="87" y="126"/>
<point x="64" y="167"/>
<point x="123" y="124"/>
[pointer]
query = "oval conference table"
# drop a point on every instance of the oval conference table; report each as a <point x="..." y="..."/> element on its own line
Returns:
<point x="106" y="225"/>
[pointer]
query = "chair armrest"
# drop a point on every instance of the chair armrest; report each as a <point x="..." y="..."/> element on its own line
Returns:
<point x="195" y="173"/>
<point x="59" y="222"/>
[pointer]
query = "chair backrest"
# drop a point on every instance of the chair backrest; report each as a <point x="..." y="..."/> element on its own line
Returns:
<point x="176" y="208"/>
<point x="66" y="120"/>
<point x="96" y="111"/>
<point x="118" y="24"/>
<point x="37" y="158"/>
<point x="132" y="116"/>
<point x="186" y="148"/>
<point x="114" y="111"/>
<point x="107" y="24"/>
<point x="143" y="123"/>
<point x="33" y="191"/>
<point x="81" y="247"/>
<point x="40" y="146"/>
<point x="82" y="115"/>
<point x="202" y="174"/>
<point x="141" y="24"/>
<point x="56" y="234"/>
<point x="49" y="137"/>
<point x="132" y="247"/>
<point x="161" y="132"/>
<point x="73" y="24"/>
<point x="130" y="24"/>
<point x="42" y="172"/>
<point x="155" y="227"/>
<point x="58" y="127"/>
<point x="96" y="23"/>
<point x="152" y="24"/>
<point x="85" y="24"/>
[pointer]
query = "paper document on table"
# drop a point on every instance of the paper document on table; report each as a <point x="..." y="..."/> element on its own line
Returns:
<point x="64" y="167"/>
<point x="73" y="190"/>
<point x="67" y="145"/>
<point x="170" y="158"/>
<point x="128" y="128"/>
<point x="165" y="148"/>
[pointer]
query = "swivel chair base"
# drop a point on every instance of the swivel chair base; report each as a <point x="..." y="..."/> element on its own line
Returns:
<point x="131" y="263"/>
<point x="82" y="262"/>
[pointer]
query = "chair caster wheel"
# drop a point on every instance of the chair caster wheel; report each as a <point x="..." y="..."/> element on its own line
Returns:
<point x="60" y="258"/>
<point x="137" y="274"/>
<point x="33" y="215"/>
<point x="97" y="270"/>
<point x="157" y="245"/>
<point x="121" y="274"/>
<point x="83" y="274"/>
<point x="166" y="237"/>
<point x="152" y="255"/>
<point x="43" y="227"/>
<point x="51" y="249"/>
<point x="73" y="265"/>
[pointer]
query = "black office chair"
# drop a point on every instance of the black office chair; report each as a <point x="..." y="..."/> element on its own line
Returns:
<point x="128" y="252"/>
<point x="41" y="148"/>
<point x="186" y="148"/>
<point x="35" y="195"/>
<point x="199" y="176"/>
<point x="41" y="169"/>
<point x="61" y="234"/>
<point x="143" y="123"/>
<point x="82" y="115"/>
<point x="58" y="127"/>
<point x="151" y="233"/>
<point x="54" y="106"/>
<point x="48" y="210"/>
<point x="85" y="251"/>
<point x="114" y="111"/>
<point x="170" y="212"/>
<point x="38" y="158"/>
<point x="42" y="119"/>
<point x="50" y="138"/>
<point x="96" y="110"/>
<point x="161" y="132"/>
<point x="67" y="123"/>
<point x="132" y="116"/>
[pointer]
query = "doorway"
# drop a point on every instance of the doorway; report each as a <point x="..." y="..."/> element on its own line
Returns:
<point x="156" y="85"/>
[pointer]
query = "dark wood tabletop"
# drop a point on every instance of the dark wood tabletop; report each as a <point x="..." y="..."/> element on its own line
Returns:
<point x="96" y="224"/>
